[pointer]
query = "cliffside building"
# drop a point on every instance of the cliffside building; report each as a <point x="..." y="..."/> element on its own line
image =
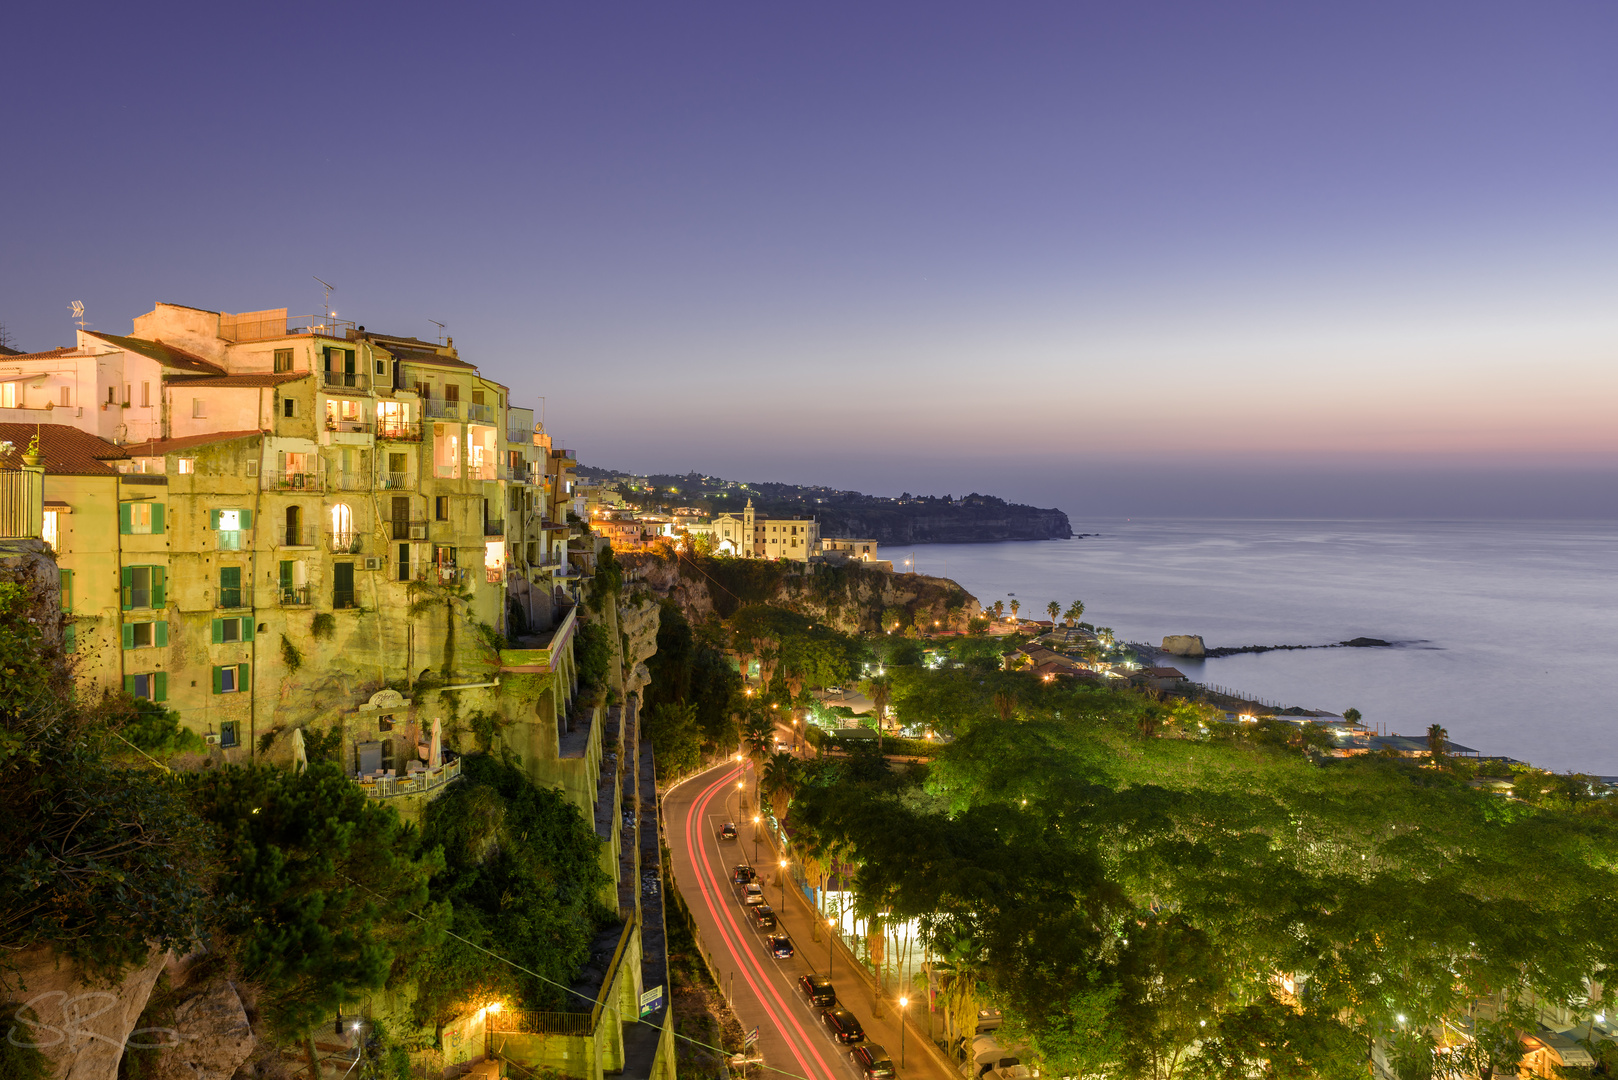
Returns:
<point x="753" y="536"/>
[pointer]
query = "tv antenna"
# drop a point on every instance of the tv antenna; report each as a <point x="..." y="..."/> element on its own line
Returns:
<point x="329" y="288"/>
<point x="77" y="307"/>
<point x="441" y="328"/>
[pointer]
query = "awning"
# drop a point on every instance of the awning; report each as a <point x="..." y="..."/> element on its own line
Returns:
<point x="1565" y="1047"/>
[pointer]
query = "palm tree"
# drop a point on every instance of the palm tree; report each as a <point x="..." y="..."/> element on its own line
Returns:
<point x="1437" y="741"/>
<point x="878" y="688"/>
<point x="1054" y="609"/>
<point x="1016" y="606"/>
<point x="1075" y="611"/>
<point x="999" y="608"/>
<point x="780" y="782"/>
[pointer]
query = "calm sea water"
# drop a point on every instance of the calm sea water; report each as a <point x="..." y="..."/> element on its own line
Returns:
<point x="1507" y="629"/>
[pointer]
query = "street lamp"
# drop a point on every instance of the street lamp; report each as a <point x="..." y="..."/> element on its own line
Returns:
<point x="902" y="1003"/>
<point x="783" y="888"/>
<point x="756" y="820"/>
<point x="831" y="944"/>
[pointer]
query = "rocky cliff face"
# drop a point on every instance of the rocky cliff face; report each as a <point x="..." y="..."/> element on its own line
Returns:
<point x="944" y="523"/>
<point x="850" y="598"/>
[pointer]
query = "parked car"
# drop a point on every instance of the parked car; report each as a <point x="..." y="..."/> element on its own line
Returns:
<point x="763" y="917"/>
<point x="727" y="831"/>
<point x="752" y="893"/>
<point x="872" y="1062"/>
<point x="741" y="874"/>
<point x="843" y="1025"/>
<point x="780" y="946"/>
<point x="818" y="989"/>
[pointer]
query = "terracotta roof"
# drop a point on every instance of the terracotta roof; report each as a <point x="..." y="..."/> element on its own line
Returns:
<point x="49" y="354"/>
<point x="258" y="379"/>
<point x="167" y="355"/>
<point x="159" y="447"/>
<point x="67" y="451"/>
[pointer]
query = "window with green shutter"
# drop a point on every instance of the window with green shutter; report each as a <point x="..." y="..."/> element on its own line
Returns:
<point x="67" y="591"/>
<point x="230" y="678"/>
<point x="140" y="518"/>
<point x="151" y="685"/>
<point x="70" y="638"/>
<point x="145" y="635"/>
<point x="230" y="586"/>
<point x="226" y="631"/>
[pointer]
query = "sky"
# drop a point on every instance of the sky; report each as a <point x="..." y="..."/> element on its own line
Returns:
<point x="1268" y="259"/>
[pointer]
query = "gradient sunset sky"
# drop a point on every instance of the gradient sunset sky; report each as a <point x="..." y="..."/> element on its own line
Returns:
<point x="1120" y="258"/>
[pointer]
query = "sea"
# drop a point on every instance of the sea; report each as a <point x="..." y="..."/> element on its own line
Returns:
<point x="1503" y="632"/>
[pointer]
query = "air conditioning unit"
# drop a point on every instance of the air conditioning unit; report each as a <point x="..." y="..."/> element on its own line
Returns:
<point x="372" y="563"/>
<point x="418" y="532"/>
<point x="210" y="737"/>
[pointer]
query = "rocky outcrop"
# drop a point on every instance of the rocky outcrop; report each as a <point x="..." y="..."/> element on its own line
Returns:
<point x="214" y="1036"/>
<point x="1184" y="645"/>
<point x="938" y="522"/>
<point x="78" y="1021"/>
<point x="638" y="619"/>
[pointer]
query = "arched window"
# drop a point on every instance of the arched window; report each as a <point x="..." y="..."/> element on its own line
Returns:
<point x="294" y="526"/>
<point x="342" y="527"/>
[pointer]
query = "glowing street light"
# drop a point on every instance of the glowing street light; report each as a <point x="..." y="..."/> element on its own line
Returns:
<point x="902" y="1003"/>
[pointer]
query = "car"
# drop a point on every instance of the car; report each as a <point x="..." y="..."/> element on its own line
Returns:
<point x="741" y="874"/>
<point x="834" y="690"/>
<point x="818" y="989"/>
<point x="843" y="1025"/>
<point x="727" y="831"/>
<point x="873" y="1062"/>
<point x="780" y="946"/>
<point x="763" y="917"/>
<point x="752" y="893"/>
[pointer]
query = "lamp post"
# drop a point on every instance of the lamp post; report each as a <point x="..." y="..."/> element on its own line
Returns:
<point x="902" y="1003"/>
<point x="783" y="888"/>
<point x="756" y="820"/>
<point x="831" y="944"/>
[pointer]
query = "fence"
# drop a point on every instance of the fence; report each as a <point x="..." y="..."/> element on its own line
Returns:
<point x="22" y="504"/>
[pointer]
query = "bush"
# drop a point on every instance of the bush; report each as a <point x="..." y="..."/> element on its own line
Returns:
<point x="157" y="731"/>
<point x="592" y="652"/>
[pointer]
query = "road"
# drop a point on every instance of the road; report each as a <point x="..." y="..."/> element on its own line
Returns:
<point x="764" y="990"/>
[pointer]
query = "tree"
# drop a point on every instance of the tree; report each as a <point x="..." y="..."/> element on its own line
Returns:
<point x="1437" y="742"/>
<point x="1053" y="609"/>
<point x="878" y="688"/>
<point x="672" y="729"/>
<point x="999" y="608"/>
<point x="1075" y="612"/>
<point x="1352" y="715"/>
<point x="780" y="782"/>
<point x="1016" y="606"/>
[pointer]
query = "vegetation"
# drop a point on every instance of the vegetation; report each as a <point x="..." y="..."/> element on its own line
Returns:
<point x="592" y="653"/>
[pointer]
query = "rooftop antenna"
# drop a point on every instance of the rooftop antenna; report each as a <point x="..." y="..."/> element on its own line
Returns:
<point x="441" y="328"/>
<point x="329" y="288"/>
<point x="77" y="307"/>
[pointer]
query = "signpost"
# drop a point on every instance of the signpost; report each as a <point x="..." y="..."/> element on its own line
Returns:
<point x="651" y="1001"/>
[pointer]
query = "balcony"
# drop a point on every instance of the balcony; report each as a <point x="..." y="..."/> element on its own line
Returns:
<point x="421" y="782"/>
<point x="516" y="476"/>
<point x="493" y="575"/>
<point x="441" y="575"/>
<point x="520" y="435"/>
<point x="347" y="427"/>
<point x="394" y="480"/>
<point x="480" y="414"/>
<point x="348" y="481"/>
<point x="409" y="530"/>
<point x="296" y="481"/>
<point x="441" y="410"/>
<point x="447" y="472"/>
<point x="343" y="600"/>
<point x="345" y="543"/>
<point x="229" y="598"/>
<point x="494" y="527"/>
<point x="347" y="380"/>
<point x="399" y="430"/>
<point x="233" y="539"/>
<point x="294" y="596"/>
<point x="291" y="536"/>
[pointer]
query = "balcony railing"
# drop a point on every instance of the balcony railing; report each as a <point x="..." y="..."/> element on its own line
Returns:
<point x="418" y="783"/>
<point x="494" y="527"/>
<point x="229" y="598"/>
<point x="348" y="481"/>
<point x="409" y="530"/>
<point x="345" y="543"/>
<point x="442" y="410"/>
<point x="296" y="481"/>
<point x="399" y="430"/>
<point x="348" y="427"/>
<point x="485" y="471"/>
<point x="441" y="575"/>
<point x="295" y="536"/>
<point x="447" y="472"/>
<point x="520" y="435"/>
<point x="480" y="414"/>
<point x="343" y="599"/>
<point x="516" y="476"/>
<point x="494" y="575"/>
<point x="394" y="480"/>
<point x="294" y="596"/>
<point x="349" y="380"/>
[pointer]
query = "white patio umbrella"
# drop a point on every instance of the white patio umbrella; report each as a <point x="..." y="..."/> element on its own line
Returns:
<point x="435" y="756"/>
<point x="300" y="756"/>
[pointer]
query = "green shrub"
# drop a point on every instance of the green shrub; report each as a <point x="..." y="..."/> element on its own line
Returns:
<point x="324" y="624"/>
<point x="157" y="731"/>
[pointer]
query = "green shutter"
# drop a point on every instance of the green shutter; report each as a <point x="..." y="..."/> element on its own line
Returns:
<point x="160" y="686"/>
<point x="219" y="680"/>
<point x="129" y="635"/>
<point x="70" y="638"/>
<point x="157" y="518"/>
<point x="218" y="631"/>
<point x="128" y="577"/>
<point x="286" y="575"/>
<point x="213" y="520"/>
<point x="159" y="576"/>
<point x="230" y="577"/>
<point x="247" y="520"/>
<point x="247" y="629"/>
<point x="129" y="685"/>
<point x="244" y="672"/>
<point x="67" y="591"/>
<point x="125" y="525"/>
<point x="160" y="633"/>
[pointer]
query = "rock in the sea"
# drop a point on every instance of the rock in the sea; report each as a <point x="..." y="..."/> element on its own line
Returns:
<point x="215" y="1037"/>
<point x="1184" y="645"/>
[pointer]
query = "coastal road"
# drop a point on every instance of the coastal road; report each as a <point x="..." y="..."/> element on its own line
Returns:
<point x="764" y="991"/>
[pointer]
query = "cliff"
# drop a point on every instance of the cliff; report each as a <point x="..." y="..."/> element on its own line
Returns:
<point x="944" y="523"/>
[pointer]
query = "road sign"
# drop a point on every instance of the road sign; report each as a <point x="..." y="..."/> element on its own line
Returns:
<point x="651" y="1001"/>
<point x="752" y="1037"/>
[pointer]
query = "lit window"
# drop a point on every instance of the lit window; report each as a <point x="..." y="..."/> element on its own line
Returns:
<point x="50" y="536"/>
<point x="8" y="395"/>
<point x="188" y="465"/>
<point x="198" y="408"/>
<point x="140" y="519"/>
<point x="67" y="396"/>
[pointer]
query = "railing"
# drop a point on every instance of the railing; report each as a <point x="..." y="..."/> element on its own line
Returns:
<point x="441" y="575"/>
<point x="533" y="1022"/>
<point x="520" y="435"/>
<point x="394" y="480"/>
<point x="295" y="536"/>
<point x="296" y="481"/>
<point x="348" y="427"/>
<point x="21" y="504"/>
<point x="399" y="430"/>
<point x="352" y="380"/>
<point x="494" y="526"/>
<point x="348" y="481"/>
<point x="232" y="539"/>
<point x="516" y="476"/>
<point x="229" y="598"/>
<point x="382" y="787"/>
<point x="480" y="414"/>
<point x="345" y="543"/>
<point x="493" y="575"/>
<point x="443" y="410"/>
<point x="447" y="472"/>
<point x="484" y="471"/>
<point x="323" y="325"/>
<point x="409" y="530"/>
<point x="343" y="599"/>
<point x="294" y="596"/>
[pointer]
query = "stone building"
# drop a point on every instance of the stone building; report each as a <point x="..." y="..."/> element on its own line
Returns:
<point x="751" y="535"/>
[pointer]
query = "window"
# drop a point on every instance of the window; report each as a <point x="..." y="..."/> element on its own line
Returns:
<point x="188" y="465"/>
<point x="229" y="733"/>
<point x="145" y="395"/>
<point x="127" y="397"/>
<point x="152" y="686"/>
<point x="228" y="631"/>
<point x="342" y="585"/>
<point x="342" y="527"/>
<point x="477" y="397"/>
<point x="283" y="361"/>
<point x="48" y="532"/>
<point x="230" y="587"/>
<point x="199" y="409"/>
<point x="112" y="395"/>
<point x="289" y="407"/>
<point x="143" y="587"/>
<point x="441" y="507"/>
<point x="232" y="527"/>
<point x="146" y="635"/>
<point x="381" y="367"/>
<point x="404" y="562"/>
<point x="67" y="395"/>
<point x="230" y="679"/>
<point x="140" y="518"/>
<point x="398" y="464"/>
<point x="8" y="395"/>
<point x="452" y="392"/>
<point x="67" y="591"/>
<point x="294" y="582"/>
